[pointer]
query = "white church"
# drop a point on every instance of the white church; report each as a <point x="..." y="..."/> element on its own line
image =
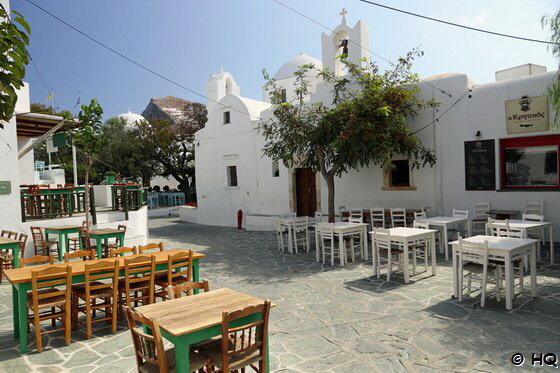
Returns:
<point x="475" y="132"/>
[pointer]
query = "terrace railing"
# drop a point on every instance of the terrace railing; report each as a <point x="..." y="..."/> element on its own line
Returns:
<point x="128" y="198"/>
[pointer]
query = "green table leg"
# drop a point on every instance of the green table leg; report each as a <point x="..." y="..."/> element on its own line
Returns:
<point x="98" y="247"/>
<point x="182" y="358"/>
<point x="15" y="253"/>
<point x="15" y="308"/>
<point x="60" y="248"/>
<point x="21" y="310"/>
<point x="196" y="273"/>
<point x="121" y="238"/>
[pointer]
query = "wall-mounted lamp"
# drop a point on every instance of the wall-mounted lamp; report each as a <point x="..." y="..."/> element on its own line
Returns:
<point x="478" y="135"/>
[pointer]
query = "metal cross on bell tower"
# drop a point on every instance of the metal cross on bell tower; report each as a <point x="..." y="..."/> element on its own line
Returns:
<point x="343" y="13"/>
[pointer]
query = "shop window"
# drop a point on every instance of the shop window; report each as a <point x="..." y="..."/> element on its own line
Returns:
<point x="227" y="117"/>
<point x="530" y="162"/>
<point x="398" y="176"/>
<point x="232" y="176"/>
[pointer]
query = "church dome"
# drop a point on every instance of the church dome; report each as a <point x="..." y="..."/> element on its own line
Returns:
<point x="289" y="68"/>
<point x="131" y="118"/>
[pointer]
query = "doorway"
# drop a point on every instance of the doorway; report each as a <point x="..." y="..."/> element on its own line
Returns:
<point x="306" y="193"/>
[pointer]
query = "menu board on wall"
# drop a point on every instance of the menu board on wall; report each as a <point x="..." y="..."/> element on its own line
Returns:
<point x="480" y="165"/>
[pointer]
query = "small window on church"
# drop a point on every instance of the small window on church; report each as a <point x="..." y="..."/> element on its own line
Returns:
<point x="232" y="176"/>
<point x="275" y="169"/>
<point x="227" y="117"/>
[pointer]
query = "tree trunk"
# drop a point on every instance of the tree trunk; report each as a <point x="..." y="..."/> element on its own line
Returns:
<point x="86" y="192"/>
<point x="330" y="187"/>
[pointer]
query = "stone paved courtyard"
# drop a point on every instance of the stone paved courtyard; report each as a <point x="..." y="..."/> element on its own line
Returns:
<point x="328" y="319"/>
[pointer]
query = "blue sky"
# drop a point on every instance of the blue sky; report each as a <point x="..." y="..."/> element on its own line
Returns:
<point x="187" y="40"/>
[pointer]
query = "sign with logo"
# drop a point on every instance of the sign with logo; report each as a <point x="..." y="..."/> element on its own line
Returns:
<point x="5" y="187"/>
<point x="480" y="165"/>
<point x="527" y="114"/>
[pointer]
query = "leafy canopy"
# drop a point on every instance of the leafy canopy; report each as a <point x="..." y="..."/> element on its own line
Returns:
<point x="553" y="23"/>
<point x="13" y="58"/>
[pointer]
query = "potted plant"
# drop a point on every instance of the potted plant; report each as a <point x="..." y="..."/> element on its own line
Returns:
<point x="110" y="177"/>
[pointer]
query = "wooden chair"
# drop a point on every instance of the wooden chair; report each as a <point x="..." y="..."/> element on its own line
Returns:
<point x="85" y="240"/>
<point x="300" y="234"/>
<point x="6" y="257"/>
<point x="117" y="243"/>
<point x="421" y="250"/>
<point x="398" y="217"/>
<point x="241" y="346"/>
<point x="94" y="290"/>
<point x="329" y="244"/>
<point x="48" y="303"/>
<point x="114" y="252"/>
<point x="74" y="242"/>
<point x="385" y="251"/>
<point x="150" y="246"/>
<point x="377" y="217"/>
<point x="42" y="246"/>
<point x="137" y="286"/>
<point x="535" y="233"/>
<point x="151" y="356"/>
<point x="186" y="288"/>
<point x="179" y="271"/>
<point x="9" y="234"/>
<point x="281" y="235"/>
<point x="36" y="260"/>
<point x="82" y="254"/>
<point x="454" y="232"/>
<point x="356" y="216"/>
<point x="480" y="219"/>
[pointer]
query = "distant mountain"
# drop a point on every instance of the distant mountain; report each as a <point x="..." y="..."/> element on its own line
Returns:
<point x="168" y="108"/>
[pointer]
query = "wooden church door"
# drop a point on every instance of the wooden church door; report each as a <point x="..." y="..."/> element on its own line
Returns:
<point x="306" y="194"/>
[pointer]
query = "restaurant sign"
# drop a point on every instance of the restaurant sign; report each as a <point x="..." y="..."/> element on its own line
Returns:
<point x="527" y="114"/>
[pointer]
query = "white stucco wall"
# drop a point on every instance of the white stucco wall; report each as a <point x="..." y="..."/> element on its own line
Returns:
<point x="26" y="163"/>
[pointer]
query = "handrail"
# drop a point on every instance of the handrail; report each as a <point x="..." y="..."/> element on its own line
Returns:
<point x="55" y="203"/>
<point x="128" y="197"/>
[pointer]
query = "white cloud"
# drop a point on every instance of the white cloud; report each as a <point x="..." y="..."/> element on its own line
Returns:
<point x="476" y="20"/>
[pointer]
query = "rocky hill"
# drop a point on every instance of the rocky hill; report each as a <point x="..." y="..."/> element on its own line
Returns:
<point x="168" y="108"/>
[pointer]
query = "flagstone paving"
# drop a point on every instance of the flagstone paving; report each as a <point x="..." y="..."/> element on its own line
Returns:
<point x="328" y="319"/>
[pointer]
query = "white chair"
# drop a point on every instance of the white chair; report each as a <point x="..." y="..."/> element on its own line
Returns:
<point x="281" y="235"/>
<point x="318" y="216"/>
<point x="537" y="232"/>
<point x="342" y="211"/>
<point x="398" y="217"/>
<point x="473" y="258"/>
<point x="417" y="247"/>
<point x="384" y="250"/>
<point x="300" y="233"/>
<point x="329" y="243"/>
<point x="455" y="232"/>
<point x="494" y="227"/>
<point x="420" y="215"/>
<point x="518" y="263"/>
<point x="480" y="216"/>
<point x="356" y="216"/>
<point x="536" y="208"/>
<point x="377" y="217"/>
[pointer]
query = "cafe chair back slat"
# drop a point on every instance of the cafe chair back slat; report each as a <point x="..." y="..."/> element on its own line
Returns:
<point x="179" y="270"/>
<point x="117" y="243"/>
<point x="151" y="355"/>
<point x="137" y="286"/>
<point x="398" y="217"/>
<point x="186" y="288"/>
<point x="9" y="234"/>
<point x="37" y="260"/>
<point x="120" y="251"/>
<point x="377" y="217"/>
<point x="151" y="246"/>
<point x="85" y="240"/>
<point x="98" y="288"/>
<point x="244" y="345"/>
<point x="81" y="254"/>
<point x="42" y="246"/>
<point x="46" y="302"/>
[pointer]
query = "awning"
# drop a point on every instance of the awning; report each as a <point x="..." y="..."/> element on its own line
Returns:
<point x="35" y="124"/>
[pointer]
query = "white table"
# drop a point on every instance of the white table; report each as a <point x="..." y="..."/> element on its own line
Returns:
<point x="524" y="226"/>
<point x="445" y="222"/>
<point x="345" y="229"/>
<point x="502" y="248"/>
<point x="405" y="236"/>
<point x="289" y="224"/>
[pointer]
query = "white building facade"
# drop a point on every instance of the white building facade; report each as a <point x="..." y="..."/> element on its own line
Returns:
<point x="232" y="173"/>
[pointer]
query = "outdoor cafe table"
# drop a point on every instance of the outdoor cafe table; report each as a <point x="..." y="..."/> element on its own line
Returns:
<point x="506" y="249"/>
<point x="62" y="233"/>
<point x="524" y="226"/>
<point x="289" y="224"/>
<point x="21" y="284"/>
<point x="501" y="214"/>
<point x="104" y="235"/>
<point x="445" y="222"/>
<point x="189" y="320"/>
<point x="8" y="243"/>
<point x="405" y="236"/>
<point x="342" y="229"/>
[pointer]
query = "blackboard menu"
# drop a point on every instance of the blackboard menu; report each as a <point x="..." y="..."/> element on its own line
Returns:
<point x="480" y="165"/>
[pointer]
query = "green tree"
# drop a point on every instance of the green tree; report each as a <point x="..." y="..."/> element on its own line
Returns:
<point x="171" y="144"/>
<point x="88" y="139"/>
<point x="37" y="107"/>
<point x="366" y="124"/>
<point x="13" y="58"/>
<point x="553" y="23"/>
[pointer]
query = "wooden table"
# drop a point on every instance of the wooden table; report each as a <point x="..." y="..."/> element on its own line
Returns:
<point x="445" y="222"/>
<point x="344" y="229"/>
<point x="524" y="226"/>
<point x="502" y="214"/>
<point x="21" y="284"/>
<point x="104" y="235"/>
<point x="62" y="232"/>
<point x="405" y="236"/>
<point x="189" y="320"/>
<point x="8" y="243"/>
<point x="506" y="249"/>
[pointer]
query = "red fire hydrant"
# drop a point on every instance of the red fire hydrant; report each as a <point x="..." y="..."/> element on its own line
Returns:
<point x="239" y="218"/>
